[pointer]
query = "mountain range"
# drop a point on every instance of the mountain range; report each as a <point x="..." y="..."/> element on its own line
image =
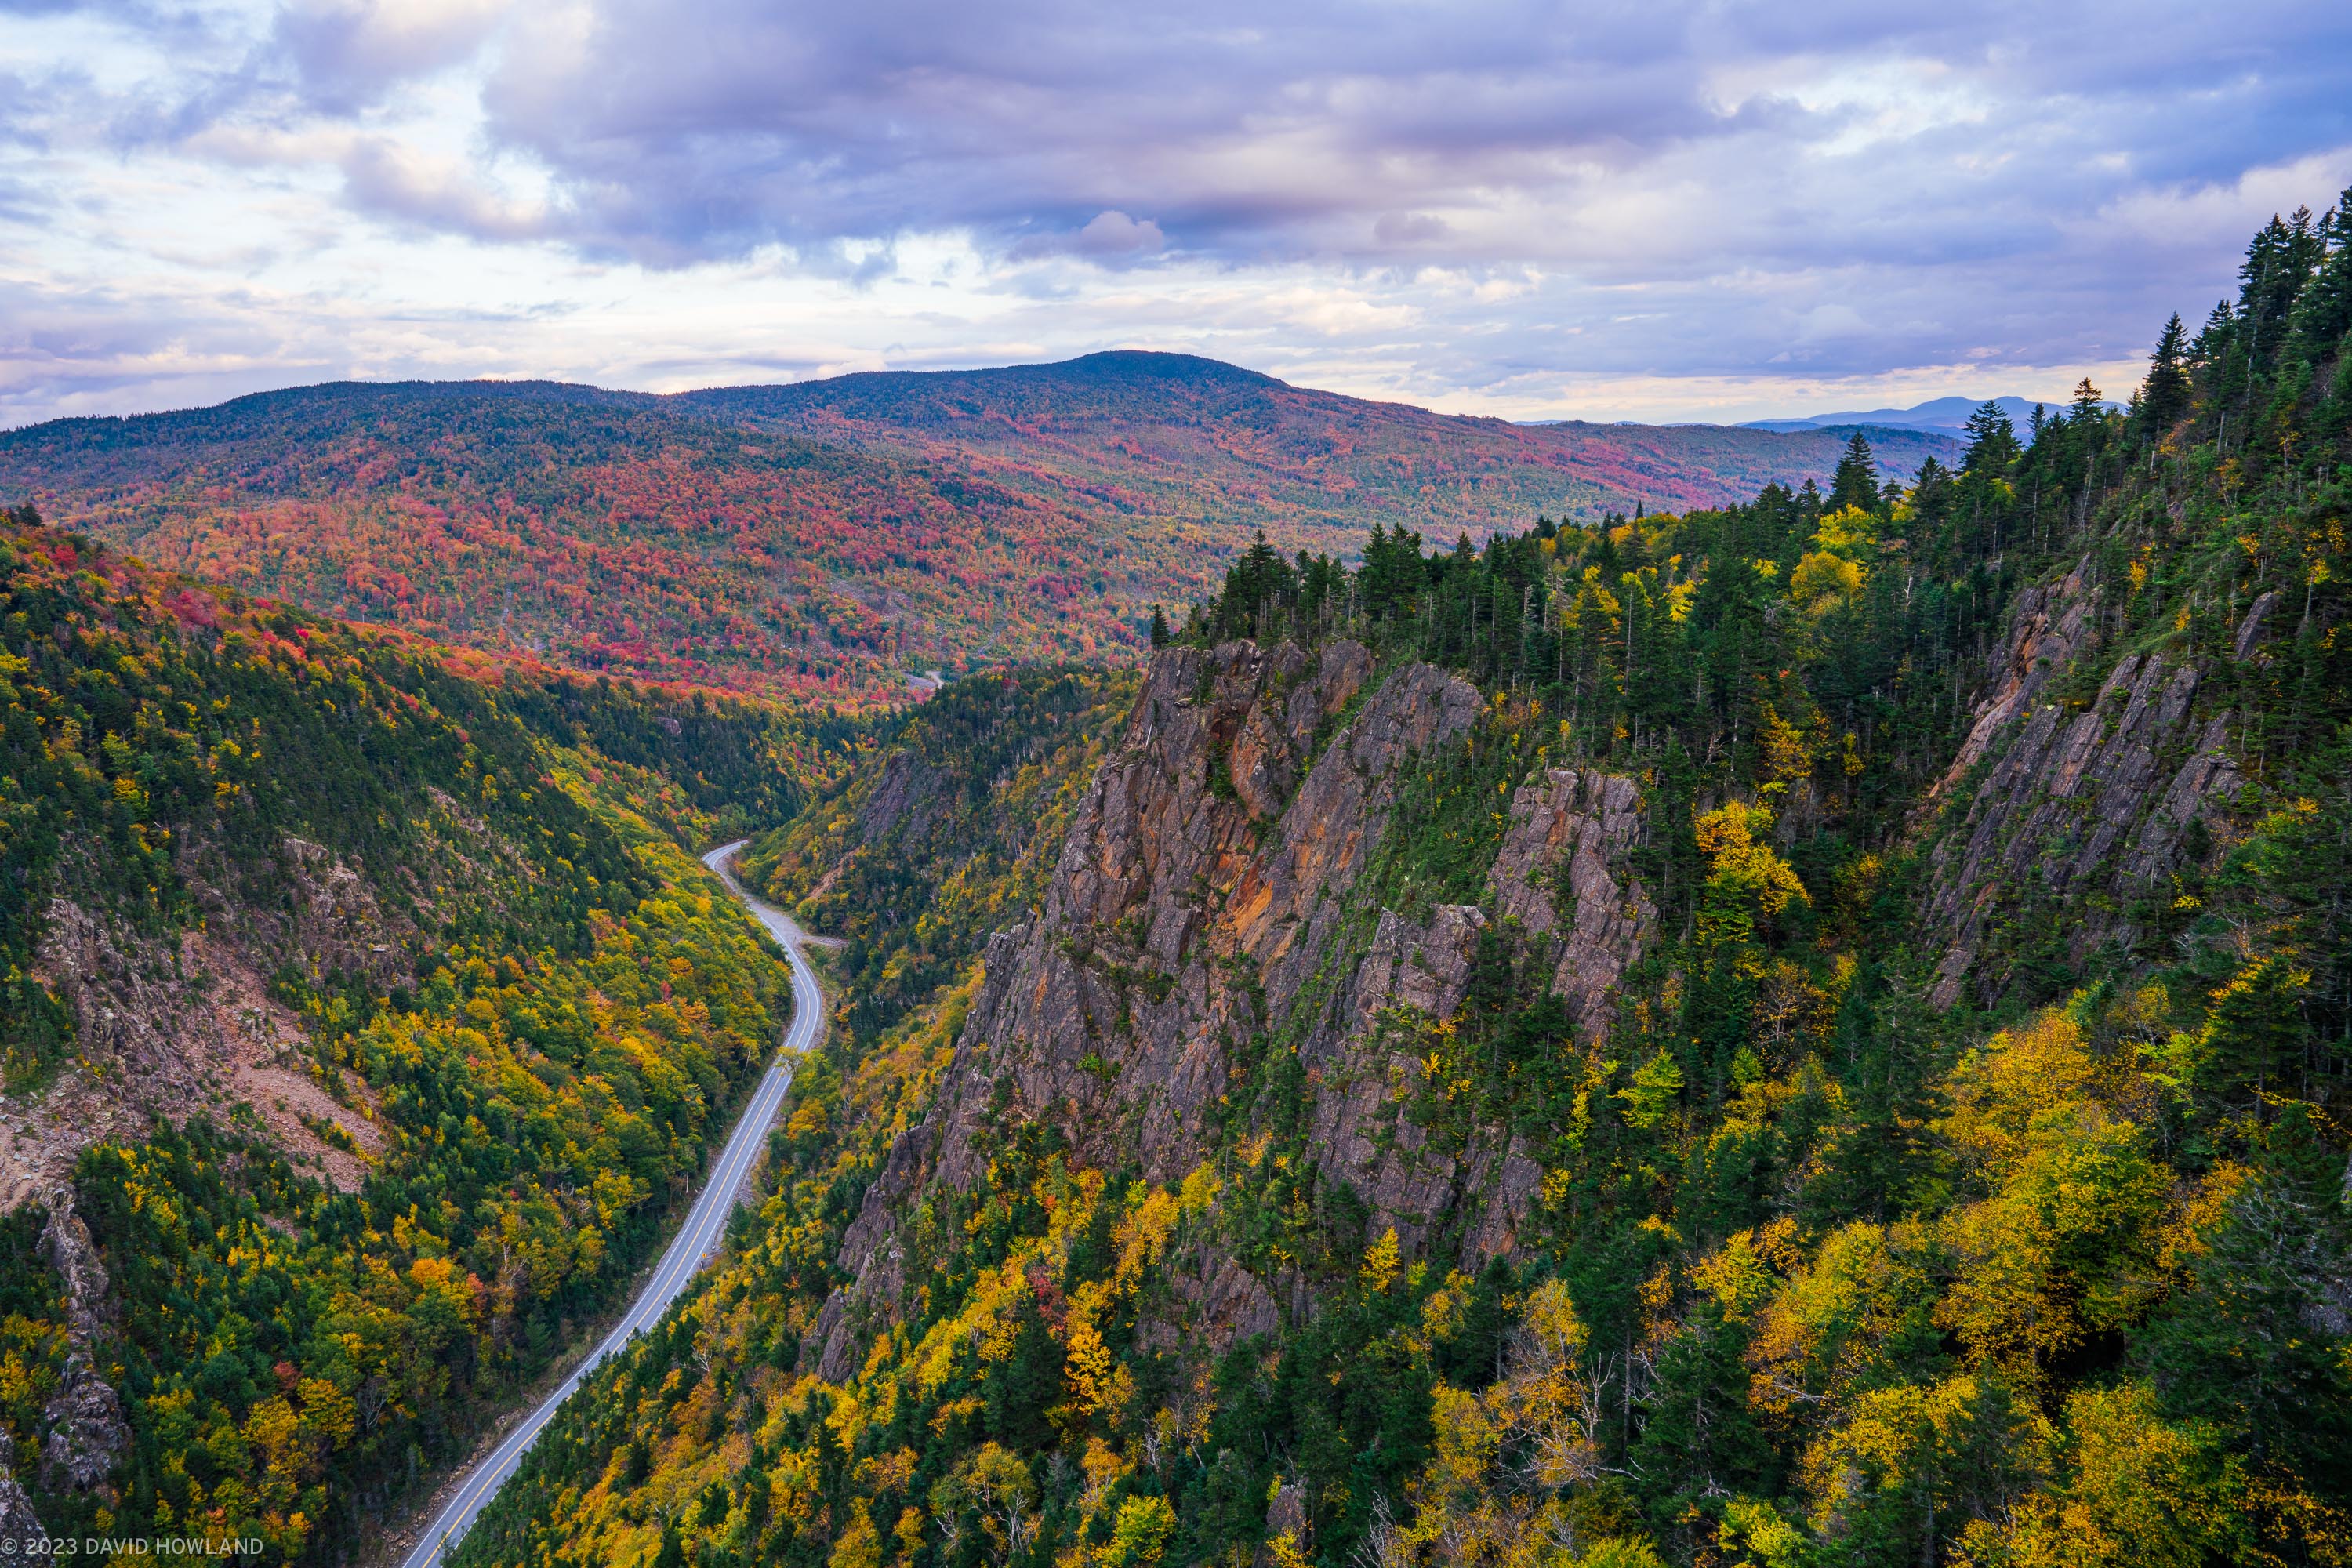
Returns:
<point x="823" y="538"/>
<point x="1944" y="416"/>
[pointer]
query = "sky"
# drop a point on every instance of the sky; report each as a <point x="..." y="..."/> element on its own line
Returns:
<point x="1649" y="211"/>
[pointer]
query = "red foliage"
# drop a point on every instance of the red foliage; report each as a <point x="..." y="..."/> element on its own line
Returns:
<point x="830" y="538"/>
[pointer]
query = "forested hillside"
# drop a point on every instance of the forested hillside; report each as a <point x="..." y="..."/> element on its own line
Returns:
<point x="364" y="1018"/>
<point x="1807" y="1032"/>
<point x="824" y="541"/>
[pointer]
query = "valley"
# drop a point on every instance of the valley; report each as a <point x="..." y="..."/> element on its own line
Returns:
<point x="696" y="1239"/>
<point x="1803" y="1021"/>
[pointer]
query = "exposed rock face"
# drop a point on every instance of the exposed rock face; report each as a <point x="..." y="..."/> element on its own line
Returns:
<point x="1112" y="1013"/>
<point x="179" y="1027"/>
<point x="188" y="1025"/>
<point x="87" y="1434"/>
<point x="2050" y="624"/>
<point x="901" y="799"/>
<point x="1560" y="875"/>
<point x="336" y="926"/>
<point x="2072" y="802"/>
<point x="21" y="1534"/>
<point x="66" y="1247"/>
<point x="1207" y="897"/>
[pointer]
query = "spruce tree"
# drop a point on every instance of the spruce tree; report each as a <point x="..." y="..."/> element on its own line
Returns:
<point x="2164" y="397"/>
<point x="2324" y="312"/>
<point x="2090" y="405"/>
<point x="1855" y="483"/>
<point x="1992" y="442"/>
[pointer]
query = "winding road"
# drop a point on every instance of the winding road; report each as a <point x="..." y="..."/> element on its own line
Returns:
<point x="706" y="1223"/>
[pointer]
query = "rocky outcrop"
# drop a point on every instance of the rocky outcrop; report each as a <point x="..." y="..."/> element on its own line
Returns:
<point x="176" y="1028"/>
<point x="1561" y="875"/>
<point x="2071" y="803"/>
<point x="21" y="1534"/>
<point x="900" y="800"/>
<point x="87" y="1434"/>
<point x="335" y="924"/>
<point x="2050" y="624"/>
<point x="1209" y="899"/>
<point x="1112" y="1013"/>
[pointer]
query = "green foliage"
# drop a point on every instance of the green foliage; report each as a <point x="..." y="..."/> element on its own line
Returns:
<point x="568" y="1015"/>
<point x="912" y="860"/>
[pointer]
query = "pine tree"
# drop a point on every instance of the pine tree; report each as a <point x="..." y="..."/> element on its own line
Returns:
<point x="2324" y="312"/>
<point x="2164" y="397"/>
<point x="1855" y="483"/>
<point x="1158" y="627"/>
<point x="1992" y="443"/>
<point x="2090" y="405"/>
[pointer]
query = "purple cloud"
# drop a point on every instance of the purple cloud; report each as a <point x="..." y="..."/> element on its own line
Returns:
<point x="1489" y="199"/>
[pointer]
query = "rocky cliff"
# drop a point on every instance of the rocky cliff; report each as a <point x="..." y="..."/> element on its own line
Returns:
<point x="2076" y="809"/>
<point x="1210" y="918"/>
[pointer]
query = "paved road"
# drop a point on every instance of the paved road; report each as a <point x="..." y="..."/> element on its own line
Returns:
<point x="696" y="1240"/>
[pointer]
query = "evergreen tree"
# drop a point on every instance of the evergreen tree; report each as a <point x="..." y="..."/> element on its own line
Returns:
<point x="2324" y="313"/>
<point x="1992" y="442"/>
<point x="2213" y="338"/>
<point x="2164" y="397"/>
<point x="1258" y="584"/>
<point x="2090" y="405"/>
<point x="1158" y="627"/>
<point x="1855" y="484"/>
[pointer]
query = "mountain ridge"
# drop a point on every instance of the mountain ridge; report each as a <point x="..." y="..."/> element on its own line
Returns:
<point x="1947" y="416"/>
<point x="819" y="539"/>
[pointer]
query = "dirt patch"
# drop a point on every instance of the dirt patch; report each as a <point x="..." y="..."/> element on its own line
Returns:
<point x="168" y="1030"/>
<point x="266" y="1067"/>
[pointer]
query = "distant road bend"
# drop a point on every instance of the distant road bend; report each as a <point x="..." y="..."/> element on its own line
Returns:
<point x="696" y="1239"/>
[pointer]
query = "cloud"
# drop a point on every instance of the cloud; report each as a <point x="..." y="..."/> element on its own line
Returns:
<point x="1499" y="204"/>
<point x="346" y="54"/>
<point x="1113" y="233"/>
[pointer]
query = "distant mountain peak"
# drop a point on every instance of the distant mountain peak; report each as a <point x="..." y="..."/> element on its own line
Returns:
<point x="1946" y="416"/>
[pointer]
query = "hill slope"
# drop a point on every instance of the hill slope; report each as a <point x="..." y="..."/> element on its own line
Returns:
<point x="359" y="1020"/>
<point x="824" y="537"/>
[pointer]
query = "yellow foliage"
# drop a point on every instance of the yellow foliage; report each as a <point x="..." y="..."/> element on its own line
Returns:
<point x="1380" y="1268"/>
<point x="1286" y="1550"/>
<point x="1491" y="1490"/>
<point x="1926" y="1438"/>
<point x="1786" y="758"/>
<point x="1088" y="1364"/>
<point x="1727" y="836"/>
<point x="1849" y="533"/>
<point x="1138" y="1536"/>
<point x="1820" y="583"/>
<point x="2067" y="1238"/>
<point x="2135" y="1491"/>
